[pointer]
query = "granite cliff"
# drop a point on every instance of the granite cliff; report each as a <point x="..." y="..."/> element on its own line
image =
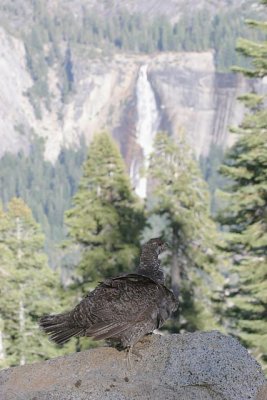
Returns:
<point x="185" y="93"/>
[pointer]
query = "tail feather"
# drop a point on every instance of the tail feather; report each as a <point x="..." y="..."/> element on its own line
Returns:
<point x="59" y="327"/>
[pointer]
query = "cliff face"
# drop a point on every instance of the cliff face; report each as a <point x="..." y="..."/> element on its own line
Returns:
<point x="179" y="91"/>
<point x="195" y="98"/>
<point x="193" y="366"/>
<point x="15" y="110"/>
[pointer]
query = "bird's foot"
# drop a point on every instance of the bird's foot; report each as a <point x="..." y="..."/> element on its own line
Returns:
<point x="128" y="359"/>
<point x="137" y="353"/>
<point x="131" y="350"/>
<point x="144" y="342"/>
<point x="146" y="339"/>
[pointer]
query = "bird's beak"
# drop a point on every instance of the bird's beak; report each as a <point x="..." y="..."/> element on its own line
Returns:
<point x="165" y="246"/>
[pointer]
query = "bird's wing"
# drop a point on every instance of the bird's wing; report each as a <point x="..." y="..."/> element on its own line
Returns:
<point x="104" y="330"/>
<point x="117" y="304"/>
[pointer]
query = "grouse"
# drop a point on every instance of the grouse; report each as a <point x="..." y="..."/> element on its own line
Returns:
<point x="121" y="309"/>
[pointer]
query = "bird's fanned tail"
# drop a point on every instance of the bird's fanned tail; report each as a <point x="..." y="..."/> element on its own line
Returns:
<point x="59" y="328"/>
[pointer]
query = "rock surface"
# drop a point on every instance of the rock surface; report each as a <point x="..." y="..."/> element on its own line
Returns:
<point x="190" y="96"/>
<point x="201" y="366"/>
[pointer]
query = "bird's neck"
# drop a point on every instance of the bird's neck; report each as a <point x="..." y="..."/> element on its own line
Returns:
<point x="150" y="266"/>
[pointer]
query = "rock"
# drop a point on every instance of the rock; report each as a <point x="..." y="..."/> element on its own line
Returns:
<point x="201" y="366"/>
<point x="262" y="394"/>
<point x="190" y="96"/>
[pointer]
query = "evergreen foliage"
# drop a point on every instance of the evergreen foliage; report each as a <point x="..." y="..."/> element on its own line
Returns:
<point x="181" y="199"/>
<point x="106" y="219"/>
<point x="45" y="187"/>
<point x="29" y="288"/>
<point x="210" y="170"/>
<point x="245" y="215"/>
<point x="52" y="40"/>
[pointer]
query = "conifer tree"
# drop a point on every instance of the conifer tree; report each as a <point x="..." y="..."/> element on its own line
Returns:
<point x="6" y="270"/>
<point x="245" y="216"/>
<point x="106" y="218"/>
<point x="29" y="288"/>
<point x="181" y="200"/>
<point x="47" y="189"/>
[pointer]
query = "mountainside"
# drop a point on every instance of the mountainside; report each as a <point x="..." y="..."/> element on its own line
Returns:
<point x="19" y="10"/>
<point x="189" y="95"/>
<point x="68" y="71"/>
<point x="188" y="92"/>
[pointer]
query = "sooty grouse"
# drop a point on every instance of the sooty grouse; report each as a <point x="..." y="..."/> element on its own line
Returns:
<point x="121" y="309"/>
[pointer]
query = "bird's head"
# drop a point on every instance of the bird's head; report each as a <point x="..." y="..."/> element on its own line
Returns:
<point x="157" y="244"/>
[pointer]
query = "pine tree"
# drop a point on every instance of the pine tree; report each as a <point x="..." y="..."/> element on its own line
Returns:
<point x="47" y="189"/>
<point x="6" y="271"/>
<point x="245" y="216"/>
<point x="106" y="219"/>
<point x="29" y="288"/>
<point x="181" y="200"/>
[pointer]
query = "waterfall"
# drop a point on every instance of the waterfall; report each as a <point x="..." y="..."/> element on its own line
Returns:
<point x="146" y="128"/>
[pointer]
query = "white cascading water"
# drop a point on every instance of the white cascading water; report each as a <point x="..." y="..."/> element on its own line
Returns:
<point x="146" y="128"/>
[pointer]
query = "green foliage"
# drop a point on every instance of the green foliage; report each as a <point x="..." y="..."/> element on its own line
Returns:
<point x="210" y="170"/>
<point x="245" y="215"/>
<point x="106" y="219"/>
<point x="45" y="187"/>
<point x="49" y="36"/>
<point x="29" y="288"/>
<point x="197" y="32"/>
<point x="52" y="40"/>
<point x="38" y="68"/>
<point x="180" y="197"/>
<point x="256" y="51"/>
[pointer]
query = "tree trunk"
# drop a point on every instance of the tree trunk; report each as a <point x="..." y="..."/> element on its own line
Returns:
<point x="175" y="266"/>
<point x="22" y="328"/>
<point x="19" y="236"/>
<point x="21" y="305"/>
<point x="2" y="350"/>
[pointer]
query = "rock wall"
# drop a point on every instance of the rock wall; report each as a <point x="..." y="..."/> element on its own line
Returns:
<point x="15" y="110"/>
<point x="200" y="366"/>
<point x="190" y="96"/>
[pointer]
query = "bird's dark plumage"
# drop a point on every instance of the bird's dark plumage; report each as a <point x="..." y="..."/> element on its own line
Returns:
<point x="121" y="309"/>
